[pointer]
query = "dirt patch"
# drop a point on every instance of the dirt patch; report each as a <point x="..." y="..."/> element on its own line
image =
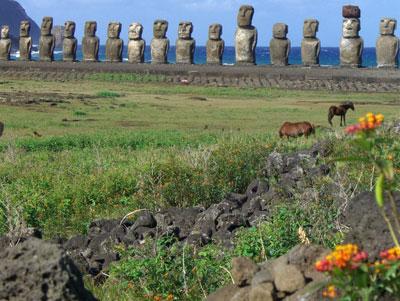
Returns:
<point x="358" y="103"/>
<point x="23" y="98"/>
<point x="77" y="120"/>
<point x="128" y="123"/>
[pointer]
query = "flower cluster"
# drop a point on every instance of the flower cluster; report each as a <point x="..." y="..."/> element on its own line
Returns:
<point x="343" y="256"/>
<point x="366" y="123"/>
<point x="331" y="292"/>
<point x="391" y="254"/>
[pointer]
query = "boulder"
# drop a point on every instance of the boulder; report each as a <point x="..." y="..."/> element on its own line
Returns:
<point x="37" y="270"/>
<point x="243" y="270"/>
<point x="368" y="229"/>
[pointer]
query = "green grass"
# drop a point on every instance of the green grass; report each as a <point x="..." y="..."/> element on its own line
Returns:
<point x="149" y="148"/>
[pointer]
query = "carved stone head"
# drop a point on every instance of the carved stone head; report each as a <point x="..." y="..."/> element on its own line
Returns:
<point x="387" y="26"/>
<point x="4" y="31"/>
<point x="47" y="25"/>
<point x="245" y="15"/>
<point x="160" y="28"/>
<point x="135" y="31"/>
<point x="24" y="29"/>
<point x="350" y="27"/>
<point x="185" y="30"/>
<point x="215" y="32"/>
<point x="90" y="28"/>
<point x="114" y="29"/>
<point x="69" y="30"/>
<point x="310" y="28"/>
<point x="280" y="30"/>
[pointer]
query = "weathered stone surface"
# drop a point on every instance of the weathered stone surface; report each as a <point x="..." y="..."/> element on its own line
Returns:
<point x="114" y="45"/>
<point x="387" y="45"/>
<point x="25" y="41"/>
<point x="70" y="44"/>
<point x="245" y="37"/>
<point x="47" y="41"/>
<point x="90" y="43"/>
<point x="288" y="278"/>
<point x="5" y="43"/>
<point x="310" y="45"/>
<point x="215" y="45"/>
<point x="145" y="219"/>
<point x="36" y="270"/>
<point x="351" y="44"/>
<point x="242" y="294"/>
<point x="243" y="270"/>
<point x="262" y="292"/>
<point x="185" y="45"/>
<point x="224" y="293"/>
<point x="136" y="44"/>
<point x="368" y="229"/>
<point x="351" y="11"/>
<point x="160" y="43"/>
<point x="263" y="276"/>
<point x="279" y="45"/>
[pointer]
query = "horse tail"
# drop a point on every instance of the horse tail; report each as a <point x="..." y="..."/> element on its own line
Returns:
<point x="330" y="116"/>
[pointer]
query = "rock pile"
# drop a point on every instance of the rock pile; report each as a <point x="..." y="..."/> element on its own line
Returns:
<point x="198" y="226"/>
<point x="289" y="277"/>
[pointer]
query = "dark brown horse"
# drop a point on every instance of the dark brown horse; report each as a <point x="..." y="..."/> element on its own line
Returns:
<point x="1" y="128"/>
<point x="340" y="111"/>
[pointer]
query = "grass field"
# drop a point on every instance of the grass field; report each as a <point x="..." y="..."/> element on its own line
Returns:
<point x="100" y="106"/>
<point x="108" y="147"/>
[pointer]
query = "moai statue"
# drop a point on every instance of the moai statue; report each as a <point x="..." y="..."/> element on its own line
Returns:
<point x="46" y="41"/>
<point x="136" y="44"/>
<point x="351" y="44"/>
<point x="114" y="45"/>
<point x="245" y="37"/>
<point x="185" y="44"/>
<point x="387" y="45"/>
<point x="310" y="45"/>
<point x="90" y="43"/>
<point x="279" y="46"/>
<point x="70" y="43"/>
<point x="160" y="43"/>
<point x="25" y="41"/>
<point x="5" y="44"/>
<point x="215" y="45"/>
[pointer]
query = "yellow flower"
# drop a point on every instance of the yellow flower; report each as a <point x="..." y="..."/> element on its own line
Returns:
<point x="370" y="115"/>
<point x="362" y="119"/>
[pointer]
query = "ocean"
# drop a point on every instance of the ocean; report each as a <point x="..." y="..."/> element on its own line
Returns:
<point x="329" y="56"/>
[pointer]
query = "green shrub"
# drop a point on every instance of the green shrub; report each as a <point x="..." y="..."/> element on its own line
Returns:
<point x="80" y="113"/>
<point x="107" y="94"/>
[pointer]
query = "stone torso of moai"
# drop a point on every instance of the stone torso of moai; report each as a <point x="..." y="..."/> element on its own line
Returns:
<point x="90" y="43"/>
<point x="136" y="44"/>
<point x="387" y="45"/>
<point x="114" y="44"/>
<point x="279" y="45"/>
<point x="351" y="44"/>
<point x="25" y="41"/>
<point x="310" y="45"/>
<point x="5" y="44"/>
<point x="185" y="44"/>
<point x="245" y="37"/>
<point x="46" y="41"/>
<point x="70" y="43"/>
<point x="215" y="45"/>
<point x="160" y="43"/>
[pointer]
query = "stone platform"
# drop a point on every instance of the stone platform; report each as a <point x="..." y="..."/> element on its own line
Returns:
<point x="331" y="78"/>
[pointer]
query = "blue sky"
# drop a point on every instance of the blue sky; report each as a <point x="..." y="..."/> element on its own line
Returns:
<point x="203" y="13"/>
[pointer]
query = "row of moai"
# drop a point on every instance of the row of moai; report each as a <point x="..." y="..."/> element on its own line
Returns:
<point x="351" y="44"/>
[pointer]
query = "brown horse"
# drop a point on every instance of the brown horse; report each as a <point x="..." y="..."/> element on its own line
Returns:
<point x="1" y="128"/>
<point x="340" y="111"/>
<point x="297" y="129"/>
